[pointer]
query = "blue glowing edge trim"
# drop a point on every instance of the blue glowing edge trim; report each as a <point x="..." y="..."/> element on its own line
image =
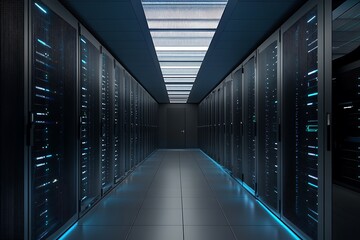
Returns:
<point x="282" y="224"/>
<point x="276" y="218"/>
<point x="67" y="232"/>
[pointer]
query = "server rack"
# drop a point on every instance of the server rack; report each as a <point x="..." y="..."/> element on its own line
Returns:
<point x="119" y="161"/>
<point x="106" y="118"/>
<point x="222" y="125"/>
<point x="132" y="123"/>
<point x="268" y="142"/>
<point x="238" y="122"/>
<point x="302" y="118"/>
<point x="13" y="119"/>
<point x="228" y="161"/>
<point x="89" y="144"/>
<point x="127" y="122"/>
<point x="213" y="125"/>
<point x="217" y="124"/>
<point x="53" y="124"/>
<point x="249" y="162"/>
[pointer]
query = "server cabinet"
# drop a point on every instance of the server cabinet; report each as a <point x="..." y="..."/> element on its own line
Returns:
<point x="132" y="123"/>
<point x="213" y="124"/>
<point x="249" y="162"/>
<point x="217" y="124"/>
<point x="126" y="112"/>
<point x="228" y="124"/>
<point x="13" y="118"/>
<point x="268" y="121"/>
<point x="106" y="117"/>
<point x="53" y="139"/>
<point x="301" y="111"/>
<point x="346" y="102"/>
<point x="238" y="122"/>
<point x="221" y="125"/>
<point x="119" y="160"/>
<point x="89" y="144"/>
<point x="344" y="63"/>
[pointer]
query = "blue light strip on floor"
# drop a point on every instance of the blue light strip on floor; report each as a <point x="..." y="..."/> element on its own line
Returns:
<point x="283" y="225"/>
<point x="65" y="235"/>
<point x="278" y="221"/>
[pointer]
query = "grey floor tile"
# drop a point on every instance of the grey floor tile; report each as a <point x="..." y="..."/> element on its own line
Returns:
<point x="162" y="202"/>
<point x="162" y="217"/>
<point x="204" y="217"/>
<point x="169" y="192"/>
<point x="200" y="203"/>
<point x="97" y="232"/>
<point x="156" y="233"/>
<point x="262" y="233"/>
<point x="208" y="233"/>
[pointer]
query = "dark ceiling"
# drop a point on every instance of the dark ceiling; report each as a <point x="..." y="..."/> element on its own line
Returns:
<point x="121" y="27"/>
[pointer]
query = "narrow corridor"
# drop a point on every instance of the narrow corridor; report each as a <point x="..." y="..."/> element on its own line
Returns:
<point x="178" y="195"/>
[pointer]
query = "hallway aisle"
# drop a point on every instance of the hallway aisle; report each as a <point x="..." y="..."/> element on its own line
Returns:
<point x="176" y="195"/>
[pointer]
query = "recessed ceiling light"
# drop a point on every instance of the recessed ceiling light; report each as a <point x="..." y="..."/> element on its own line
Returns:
<point x="181" y="48"/>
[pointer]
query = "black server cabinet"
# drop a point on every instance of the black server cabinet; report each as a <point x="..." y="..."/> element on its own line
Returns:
<point x="106" y="116"/>
<point x="119" y="163"/>
<point x="132" y="123"/>
<point x="221" y="125"/>
<point x="300" y="123"/>
<point x="346" y="92"/>
<point x="237" y="122"/>
<point x="228" y="124"/>
<point x="217" y="125"/>
<point x="13" y="116"/>
<point x="249" y="160"/>
<point x="126" y="112"/>
<point x="268" y="122"/>
<point x="213" y="125"/>
<point x="136" y="124"/>
<point x="53" y="140"/>
<point x="89" y="155"/>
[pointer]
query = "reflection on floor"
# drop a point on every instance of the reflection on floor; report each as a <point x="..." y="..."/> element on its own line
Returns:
<point x="178" y="195"/>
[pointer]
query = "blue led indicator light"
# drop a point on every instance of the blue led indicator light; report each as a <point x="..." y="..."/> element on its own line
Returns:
<point x="41" y="8"/>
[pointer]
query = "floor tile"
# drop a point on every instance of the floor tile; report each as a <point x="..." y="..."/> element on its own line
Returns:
<point x="156" y="233"/>
<point x="163" y="217"/>
<point x="204" y="217"/>
<point x="208" y="233"/>
<point x="200" y="203"/>
<point x="162" y="202"/>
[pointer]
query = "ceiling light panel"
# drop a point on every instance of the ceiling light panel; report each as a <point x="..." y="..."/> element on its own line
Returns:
<point x="182" y="32"/>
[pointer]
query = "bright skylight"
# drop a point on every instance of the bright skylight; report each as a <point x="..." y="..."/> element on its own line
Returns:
<point x="182" y="31"/>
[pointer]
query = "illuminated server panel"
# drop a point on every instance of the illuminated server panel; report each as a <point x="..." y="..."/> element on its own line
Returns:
<point x="132" y="123"/>
<point x="237" y="112"/>
<point x="228" y="124"/>
<point x="217" y="125"/>
<point x="127" y="122"/>
<point x="118" y="131"/>
<point x="89" y="125"/>
<point x="213" y="125"/>
<point x="268" y="124"/>
<point x="300" y="124"/>
<point x="53" y="148"/>
<point x="250" y="124"/>
<point x="136" y="124"/>
<point x="221" y="126"/>
<point x="106" y="125"/>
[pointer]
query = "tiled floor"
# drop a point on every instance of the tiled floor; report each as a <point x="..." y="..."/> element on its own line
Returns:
<point x="178" y="195"/>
